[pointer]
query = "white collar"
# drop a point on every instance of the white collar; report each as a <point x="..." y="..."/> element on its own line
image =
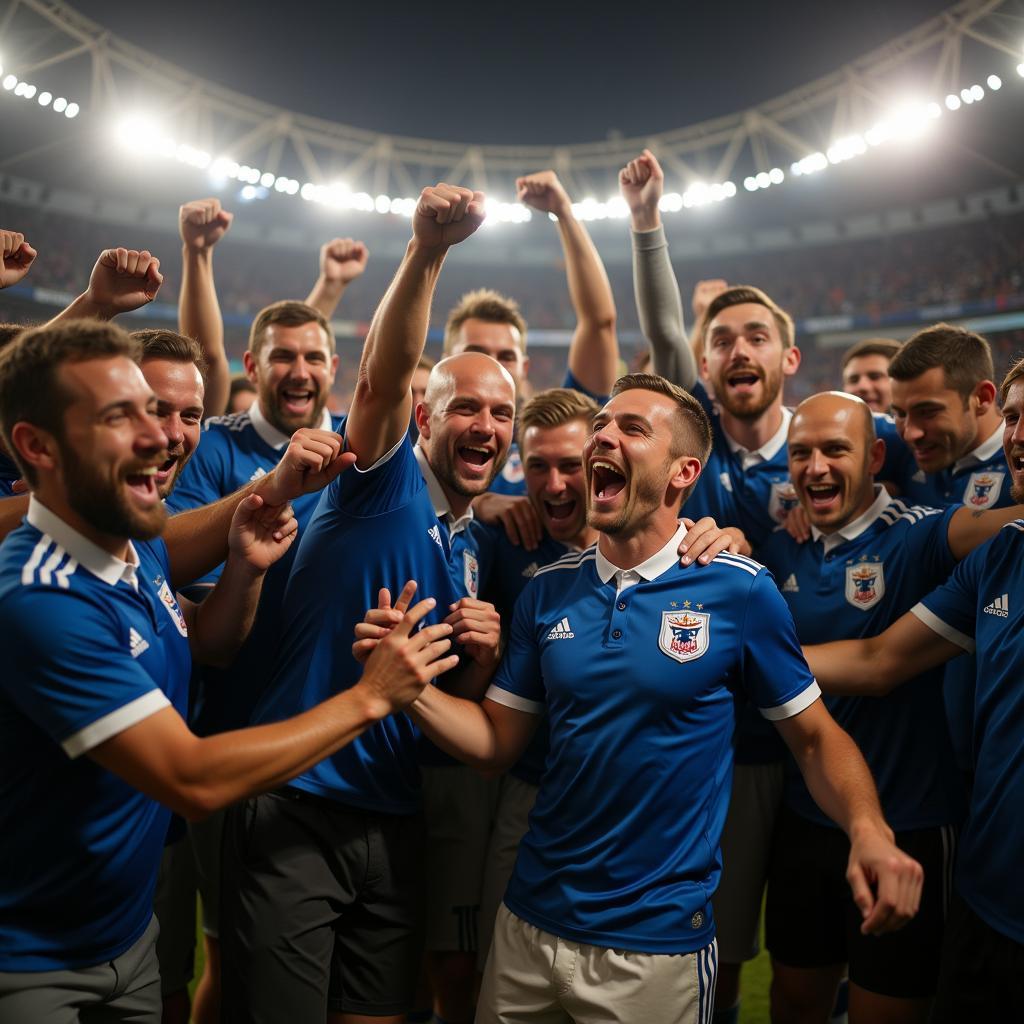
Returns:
<point x="852" y="530"/>
<point x="769" y="449"/>
<point x="87" y="554"/>
<point x="442" y="509"/>
<point x="270" y="434"/>
<point x="660" y="562"/>
<point x="982" y="453"/>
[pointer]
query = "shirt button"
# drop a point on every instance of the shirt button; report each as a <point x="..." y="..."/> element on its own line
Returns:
<point x="622" y="606"/>
<point x="617" y="634"/>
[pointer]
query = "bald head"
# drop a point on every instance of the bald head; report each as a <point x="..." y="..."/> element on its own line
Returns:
<point x="456" y="373"/>
<point x="838" y="407"/>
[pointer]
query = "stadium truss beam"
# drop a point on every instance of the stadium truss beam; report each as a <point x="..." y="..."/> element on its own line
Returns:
<point x="41" y="38"/>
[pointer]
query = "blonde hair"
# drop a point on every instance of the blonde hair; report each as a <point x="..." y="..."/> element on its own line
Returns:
<point x="488" y="305"/>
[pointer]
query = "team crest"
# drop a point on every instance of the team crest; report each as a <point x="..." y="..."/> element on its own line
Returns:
<point x="865" y="584"/>
<point x="983" y="489"/>
<point x="782" y="501"/>
<point x="512" y="471"/>
<point x="472" y="573"/>
<point x="167" y="600"/>
<point x="684" y="635"/>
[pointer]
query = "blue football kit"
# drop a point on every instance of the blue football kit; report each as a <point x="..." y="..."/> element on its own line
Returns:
<point x="855" y="583"/>
<point x="981" y="609"/>
<point x="372" y="528"/>
<point x="94" y="646"/>
<point x="636" y="670"/>
<point x="235" y="450"/>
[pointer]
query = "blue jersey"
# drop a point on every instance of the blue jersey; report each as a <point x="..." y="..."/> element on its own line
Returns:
<point x="9" y="472"/>
<point x="855" y="584"/>
<point x="623" y="845"/>
<point x="981" y="607"/>
<point x="374" y="528"/>
<point x="87" y="656"/>
<point x="511" y="480"/>
<point x="235" y="450"/>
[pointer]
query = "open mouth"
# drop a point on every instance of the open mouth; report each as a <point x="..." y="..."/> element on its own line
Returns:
<point x="165" y="470"/>
<point x="743" y="381"/>
<point x="475" y="457"/>
<point x="560" y="510"/>
<point x="606" y="480"/>
<point x="822" y="496"/>
<point x="297" y="401"/>
<point x="143" y="485"/>
<point x="1016" y="461"/>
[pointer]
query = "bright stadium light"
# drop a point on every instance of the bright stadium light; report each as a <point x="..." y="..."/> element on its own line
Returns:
<point x="10" y="82"/>
<point x="994" y="82"/>
<point x="953" y="102"/>
<point x="967" y="96"/>
<point x="1020" y="70"/>
<point x="751" y="184"/>
<point x="60" y="105"/>
<point x="71" y="110"/>
<point x="810" y="164"/>
<point x="45" y="98"/>
<point x="977" y="92"/>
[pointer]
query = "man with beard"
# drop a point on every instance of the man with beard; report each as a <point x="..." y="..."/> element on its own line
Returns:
<point x="865" y="371"/>
<point x="628" y="653"/>
<point x="310" y="929"/>
<point x="872" y="559"/>
<point x="981" y="609"/>
<point x="95" y="685"/>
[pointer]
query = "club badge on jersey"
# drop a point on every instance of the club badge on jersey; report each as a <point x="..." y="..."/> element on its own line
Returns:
<point x="512" y="471"/>
<point x="471" y="573"/>
<point x="684" y="635"/>
<point x="865" y="584"/>
<point x="167" y="600"/>
<point x="782" y="500"/>
<point x="983" y="489"/>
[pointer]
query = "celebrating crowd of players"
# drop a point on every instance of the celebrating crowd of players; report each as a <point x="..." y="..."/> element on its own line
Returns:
<point x="461" y="717"/>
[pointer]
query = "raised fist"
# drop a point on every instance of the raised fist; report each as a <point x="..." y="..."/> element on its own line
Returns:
<point x="543" y="191"/>
<point x="17" y="257"/>
<point x="446" y="215"/>
<point x="123" y="280"/>
<point x="704" y="293"/>
<point x="342" y="260"/>
<point x="641" y="183"/>
<point x="202" y="223"/>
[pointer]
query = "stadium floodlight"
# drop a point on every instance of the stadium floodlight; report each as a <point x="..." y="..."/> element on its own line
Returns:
<point x="30" y="91"/>
<point x="71" y="110"/>
<point x="382" y="203"/>
<point x="953" y="102"/>
<point x="139" y="133"/>
<point x="671" y="202"/>
<point x="750" y="184"/>
<point x="267" y="180"/>
<point x="994" y="82"/>
<point x="45" y="98"/>
<point x="617" y="207"/>
<point x="10" y="81"/>
<point x="776" y="176"/>
<point x="810" y="164"/>
<point x="60" y="105"/>
<point x="977" y="92"/>
<point x="1020" y="70"/>
<point x="249" y="193"/>
<point x="849" y="146"/>
<point x="967" y="96"/>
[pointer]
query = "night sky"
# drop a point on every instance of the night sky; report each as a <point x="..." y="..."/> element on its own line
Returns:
<point x="529" y="73"/>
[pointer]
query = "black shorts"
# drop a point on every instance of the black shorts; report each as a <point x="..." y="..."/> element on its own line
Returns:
<point x="982" y="973"/>
<point x="321" y="909"/>
<point x="812" y="921"/>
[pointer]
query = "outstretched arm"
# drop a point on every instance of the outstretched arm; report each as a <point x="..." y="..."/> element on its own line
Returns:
<point x="594" y="349"/>
<point x="202" y="224"/>
<point x="379" y="417"/>
<point x="342" y="260"/>
<point x="122" y="280"/>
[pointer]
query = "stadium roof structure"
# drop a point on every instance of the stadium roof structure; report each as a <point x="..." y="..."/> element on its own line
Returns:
<point x="51" y="52"/>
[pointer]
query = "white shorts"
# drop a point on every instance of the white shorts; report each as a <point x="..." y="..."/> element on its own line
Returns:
<point x="534" y="977"/>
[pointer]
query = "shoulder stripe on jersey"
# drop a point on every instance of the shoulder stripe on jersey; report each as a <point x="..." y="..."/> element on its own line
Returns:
<point x="29" y="569"/>
<point x="728" y="560"/>
<point x="65" y="572"/>
<point x="1017" y="524"/>
<point x="48" y="567"/>
<point x="573" y="560"/>
<point x="48" y="571"/>
<point x="743" y="558"/>
<point x="232" y="421"/>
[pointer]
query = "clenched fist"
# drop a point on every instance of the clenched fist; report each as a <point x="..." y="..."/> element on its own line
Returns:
<point x="543" y="191"/>
<point x="203" y="223"/>
<point x="17" y="257"/>
<point x="123" y="280"/>
<point x="446" y="215"/>
<point x="342" y="260"/>
<point x="641" y="183"/>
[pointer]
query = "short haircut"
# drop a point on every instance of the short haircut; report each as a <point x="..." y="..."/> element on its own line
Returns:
<point x="240" y="383"/>
<point x="554" y="408"/>
<point x="739" y="296"/>
<point x="691" y="431"/>
<point x="288" y="313"/>
<point x="1015" y="373"/>
<point x="887" y="347"/>
<point x="8" y="332"/>
<point x="488" y="305"/>
<point x="964" y="357"/>
<point x="30" y="387"/>
<point x="159" y="343"/>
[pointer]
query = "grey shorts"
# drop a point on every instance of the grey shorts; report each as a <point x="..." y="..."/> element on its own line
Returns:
<point x="459" y="806"/>
<point x="124" y="989"/>
<point x="754" y="809"/>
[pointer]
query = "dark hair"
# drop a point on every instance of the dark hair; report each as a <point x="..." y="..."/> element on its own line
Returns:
<point x="739" y="296"/>
<point x="8" y="332"/>
<point x="288" y="313"/>
<point x="887" y="347"/>
<point x="30" y="386"/>
<point x="691" y="434"/>
<point x="158" y="343"/>
<point x="965" y="357"/>
<point x="239" y="384"/>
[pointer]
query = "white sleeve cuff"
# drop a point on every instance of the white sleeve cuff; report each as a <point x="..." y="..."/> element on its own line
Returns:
<point x="386" y="457"/>
<point x="514" y="701"/>
<point x="804" y="699"/>
<point x="116" y="722"/>
<point x="944" y="629"/>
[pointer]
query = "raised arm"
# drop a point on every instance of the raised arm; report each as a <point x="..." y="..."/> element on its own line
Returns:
<point x="874" y="666"/>
<point x="16" y="257"/>
<point x="202" y="224"/>
<point x="658" y="303"/>
<point x="594" y="350"/>
<point x="122" y="280"/>
<point x="342" y="260"/>
<point x="379" y="416"/>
